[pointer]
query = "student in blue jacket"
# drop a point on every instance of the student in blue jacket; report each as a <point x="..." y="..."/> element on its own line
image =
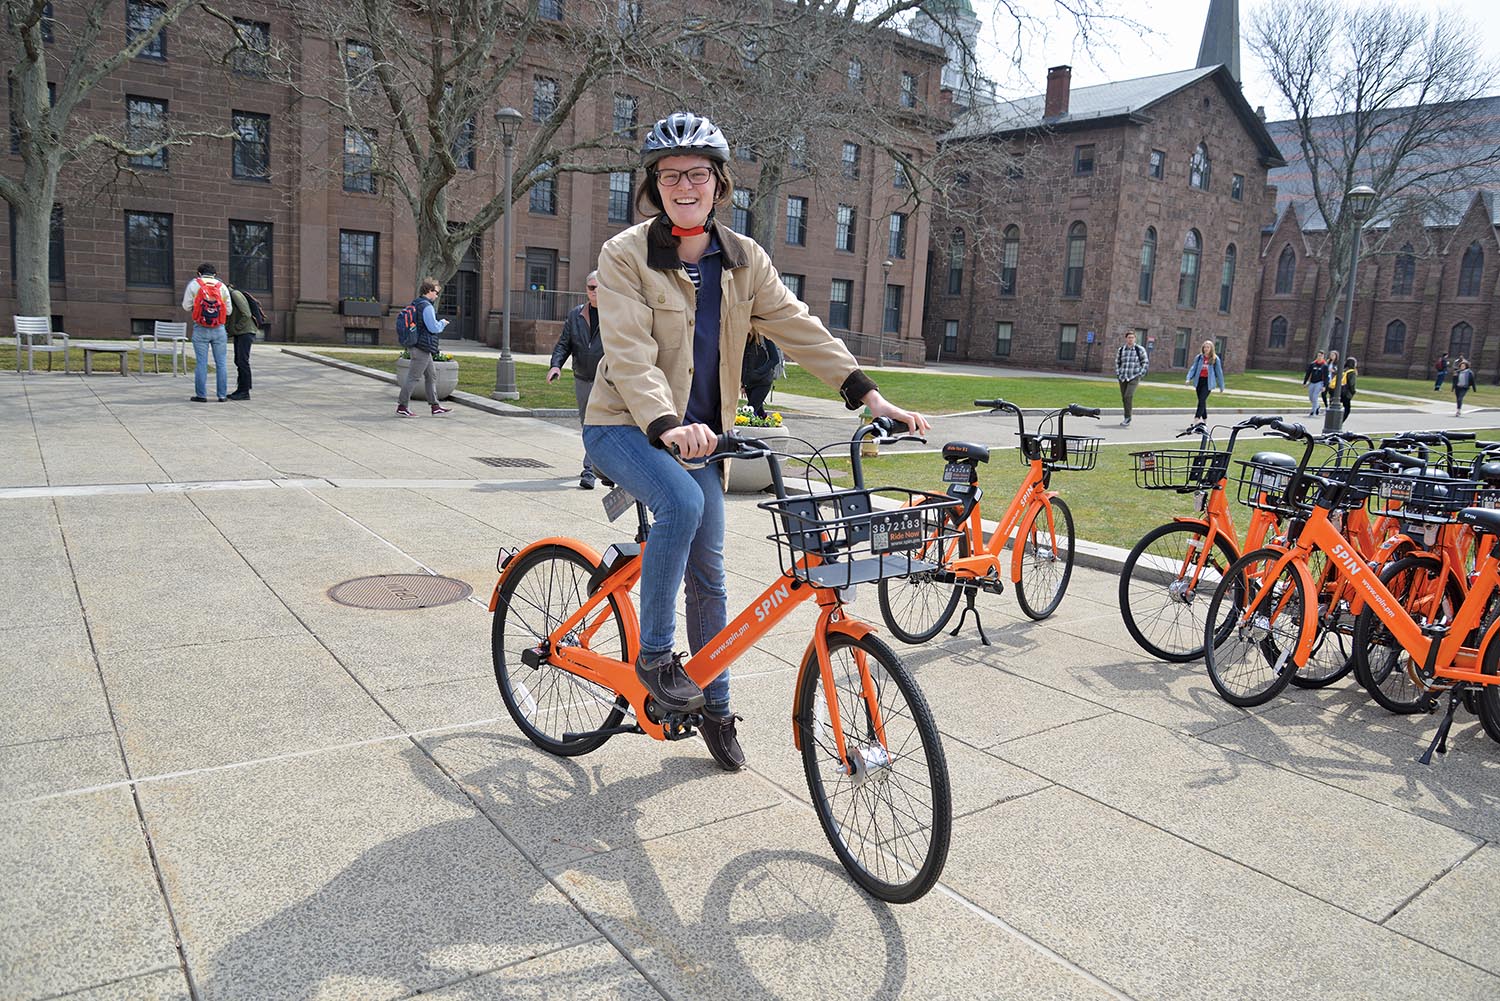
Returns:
<point x="1206" y="372"/>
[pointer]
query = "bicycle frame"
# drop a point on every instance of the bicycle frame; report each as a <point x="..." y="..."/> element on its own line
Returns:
<point x="1030" y="495"/>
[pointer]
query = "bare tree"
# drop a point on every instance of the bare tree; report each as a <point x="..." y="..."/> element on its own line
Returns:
<point x="1380" y="95"/>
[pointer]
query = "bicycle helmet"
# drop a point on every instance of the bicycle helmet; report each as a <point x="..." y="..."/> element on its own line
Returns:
<point x="683" y="133"/>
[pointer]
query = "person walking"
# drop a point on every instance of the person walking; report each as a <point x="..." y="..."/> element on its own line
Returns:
<point x="244" y="323"/>
<point x="758" y="370"/>
<point x="1348" y="378"/>
<point x="1333" y="376"/>
<point x="207" y="299"/>
<point x="580" y="339"/>
<point x="1315" y="378"/>
<point x="1463" y="381"/>
<point x="1441" y="368"/>
<point x="1131" y="365"/>
<point x="423" y="349"/>
<point x="1205" y="372"/>
<point x="679" y="295"/>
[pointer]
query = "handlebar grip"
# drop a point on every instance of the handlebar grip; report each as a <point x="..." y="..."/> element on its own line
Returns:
<point x="1460" y="435"/>
<point x="1074" y="410"/>
<point x="727" y="444"/>
<point x="996" y="404"/>
<point x="1296" y="432"/>
<point x="1402" y="460"/>
<point x="1257" y="422"/>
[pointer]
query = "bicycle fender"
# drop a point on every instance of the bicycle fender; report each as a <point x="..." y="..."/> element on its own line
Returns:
<point x="853" y="628"/>
<point x="1309" y="616"/>
<point x="582" y="549"/>
<point x="1484" y="643"/>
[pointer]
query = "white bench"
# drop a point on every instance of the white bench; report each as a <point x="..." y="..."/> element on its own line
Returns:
<point x="166" y="339"/>
<point x="35" y="333"/>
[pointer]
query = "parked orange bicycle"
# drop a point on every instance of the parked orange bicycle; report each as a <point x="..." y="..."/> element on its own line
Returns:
<point x="565" y="638"/>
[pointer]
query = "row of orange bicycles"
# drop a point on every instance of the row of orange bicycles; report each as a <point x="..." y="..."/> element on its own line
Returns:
<point x="1377" y="559"/>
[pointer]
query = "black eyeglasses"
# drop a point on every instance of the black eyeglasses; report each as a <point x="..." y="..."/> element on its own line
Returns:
<point x="698" y="176"/>
<point x="593" y="288"/>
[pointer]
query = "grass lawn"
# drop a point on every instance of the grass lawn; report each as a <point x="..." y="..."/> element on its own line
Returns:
<point x="477" y="376"/>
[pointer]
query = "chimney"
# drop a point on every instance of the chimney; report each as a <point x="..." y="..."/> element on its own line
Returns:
<point x="1260" y="112"/>
<point x="1059" y="82"/>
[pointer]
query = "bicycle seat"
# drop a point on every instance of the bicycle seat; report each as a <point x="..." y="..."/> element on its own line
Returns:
<point x="963" y="451"/>
<point x="1481" y="519"/>
<point x="1278" y="459"/>
<point x="1488" y="472"/>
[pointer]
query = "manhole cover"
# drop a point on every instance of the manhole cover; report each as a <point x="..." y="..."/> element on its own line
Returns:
<point x="505" y="462"/>
<point x="399" y="591"/>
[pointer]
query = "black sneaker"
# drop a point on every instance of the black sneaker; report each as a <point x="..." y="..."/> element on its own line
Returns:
<point x="586" y="481"/>
<point x="669" y="684"/>
<point x="723" y="743"/>
<point x="240" y="394"/>
<point x="197" y="399"/>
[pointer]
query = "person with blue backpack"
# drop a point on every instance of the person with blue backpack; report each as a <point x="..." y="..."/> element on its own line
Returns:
<point x="417" y="328"/>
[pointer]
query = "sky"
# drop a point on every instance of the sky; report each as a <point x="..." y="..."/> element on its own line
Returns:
<point x="1173" y="31"/>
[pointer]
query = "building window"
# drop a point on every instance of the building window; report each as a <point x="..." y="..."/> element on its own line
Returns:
<point x="1010" y="256"/>
<point x="251" y="156"/>
<point x="856" y="75"/>
<point x="956" y="251"/>
<point x="1395" y="337"/>
<point x="550" y="10"/>
<point x="359" y="65"/>
<point x="1277" y="339"/>
<point x="850" y="160"/>
<point x="1148" y="264"/>
<point x="740" y="216"/>
<point x="797" y="152"/>
<point x="908" y="90"/>
<point x="796" y="221"/>
<point x="359" y="257"/>
<point x="140" y="19"/>
<point x="543" y="199"/>
<point x="1237" y="187"/>
<point x="148" y="249"/>
<point x="898" y="175"/>
<point x="620" y="196"/>
<point x="462" y="146"/>
<point x="1187" y="276"/>
<point x="1003" y="331"/>
<point x="250" y="255"/>
<point x="1180" y="347"/>
<point x="359" y="161"/>
<point x="56" y="256"/>
<point x="1460" y="340"/>
<point x="843" y="231"/>
<point x="950" y="336"/>
<point x="1083" y="160"/>
<point x="628" y="14"/>
<point x="745" y="152"/>
<point x="252" y="52"/>
<point x="145" y="124"/>
<point x="1156" y="165"/>
<point x="1073" y="268"/>
<point x="1199" y="168"/>
<point x="626" y="115"/>
<point x="1286" y="271"/>
<point x="1471" y="270"/>
<point x="1067" y="342"/>
<point x="1226" y="279"/>
<point x="893" y="296"/>
<point x="839" y="296"/>
<point x="1404" y="273"/>
<point x="897" y="247"/>
<point x="794" y="283"/>
<point x="691" y="43"/>
<point x="543" y="98"/>
<point x="750" y="53"/>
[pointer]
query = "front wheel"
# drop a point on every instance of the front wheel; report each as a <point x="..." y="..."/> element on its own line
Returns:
<point x="1489" y="695"/>
<point x="1426" y="593"/>
<point x="918" y="606"/>
<point x="1255" y="622"/>
<point x="1165" y="587"/>
<point x="1046" y="559"/>
<point x="888" y="812"/>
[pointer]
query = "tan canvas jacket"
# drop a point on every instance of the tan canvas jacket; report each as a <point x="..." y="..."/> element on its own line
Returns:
<point x="646" y="315"/>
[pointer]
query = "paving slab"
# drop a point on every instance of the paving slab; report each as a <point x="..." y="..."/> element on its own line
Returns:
<point x="1456" y="913"/>
<point x="158" y="985"/>
<point x="51" y="683"/>
<point x="591" y="971"/>
<point x="59" y="764"/>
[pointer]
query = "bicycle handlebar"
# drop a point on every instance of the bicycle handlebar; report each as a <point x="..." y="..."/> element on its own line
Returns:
<point x="885" y="431"/>
<point x="1075" y="410"/>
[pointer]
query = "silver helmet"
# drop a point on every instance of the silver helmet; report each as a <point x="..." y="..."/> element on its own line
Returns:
<point x="683" y="133"/>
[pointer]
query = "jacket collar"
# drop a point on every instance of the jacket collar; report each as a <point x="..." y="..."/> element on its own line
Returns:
<point x="661" y="246"/>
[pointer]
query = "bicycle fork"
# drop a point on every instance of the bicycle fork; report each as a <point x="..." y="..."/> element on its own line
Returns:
<point x="862" y="761"/>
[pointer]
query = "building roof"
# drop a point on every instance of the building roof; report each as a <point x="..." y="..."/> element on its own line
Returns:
<point x="1125" y="100"/>
<point x="1221" y="36"/>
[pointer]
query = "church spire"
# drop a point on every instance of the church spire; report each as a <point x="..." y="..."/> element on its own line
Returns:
<point x="1221" y="37"/>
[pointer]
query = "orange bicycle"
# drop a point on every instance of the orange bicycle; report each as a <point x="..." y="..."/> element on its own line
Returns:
<point x="917" y="606"/>
<point x="565" y="638"/>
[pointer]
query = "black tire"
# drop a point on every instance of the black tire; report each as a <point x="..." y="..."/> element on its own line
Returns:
<point x="891" y="832"/>
<point x="1167" y="620"/>
<point x="916" y="608"/>
<point x="1381" y="664"/>
<point x="1046" y="560"/>
<point x="546" y="587"/>
<point x="1250" y="663"/>
<point x="1329" y="659"/>
<point x="1488" y="697"/>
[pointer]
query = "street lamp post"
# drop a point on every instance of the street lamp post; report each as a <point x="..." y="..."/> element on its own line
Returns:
<point x="1357" y="203"/>
<point x="509" y="121"/>
<point x="885" y="302"/>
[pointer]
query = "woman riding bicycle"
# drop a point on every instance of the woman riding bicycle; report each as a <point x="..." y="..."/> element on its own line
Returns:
<point x="679" y="295"/>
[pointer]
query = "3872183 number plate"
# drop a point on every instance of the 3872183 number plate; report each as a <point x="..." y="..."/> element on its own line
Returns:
<point x="957" y="472"/>
<point x="896" y="531"/>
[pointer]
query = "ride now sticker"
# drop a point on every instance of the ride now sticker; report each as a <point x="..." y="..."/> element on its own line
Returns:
<point x="895" y="532"/>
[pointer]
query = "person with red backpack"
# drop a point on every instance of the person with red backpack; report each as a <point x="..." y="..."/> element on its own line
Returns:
<point x="207" y="299"/>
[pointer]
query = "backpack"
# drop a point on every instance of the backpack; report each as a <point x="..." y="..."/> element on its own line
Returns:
<point x="409" y="322"/>
<point x="256" y="313"/>
<point x="208" y="303"/>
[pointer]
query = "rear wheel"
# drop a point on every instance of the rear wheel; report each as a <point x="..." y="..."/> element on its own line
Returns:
<point x="539" y="594"/>
<point x="1489" y="696"/>
<point x="1381" y="664"/>
<point x="1329" y="659"/>
<point x="1046" y="559"/>
<point x="1249" y="657"/>
<point x="889" y="821"/>
<point x="1165" y="588"/>
<point x="918" y="606"/>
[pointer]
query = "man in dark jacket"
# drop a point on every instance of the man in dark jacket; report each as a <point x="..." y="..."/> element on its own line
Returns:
<point x="758" y="372"/>
<point x="242" y="330"/>
<point x="580" y="340"/>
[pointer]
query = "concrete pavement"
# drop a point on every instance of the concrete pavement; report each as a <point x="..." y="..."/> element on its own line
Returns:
<point x="217" y="783"/>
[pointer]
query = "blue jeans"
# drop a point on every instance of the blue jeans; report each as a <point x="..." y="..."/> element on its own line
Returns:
<point x="686" y="544"/>
<point x="205" y="338"/>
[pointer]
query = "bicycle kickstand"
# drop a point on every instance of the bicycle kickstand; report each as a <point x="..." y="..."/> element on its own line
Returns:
<point x="1440" y="742"/>
<point x="971" y="591"/>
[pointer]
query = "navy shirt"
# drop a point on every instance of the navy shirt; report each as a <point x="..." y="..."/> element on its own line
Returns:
<point x="703" y="399"/>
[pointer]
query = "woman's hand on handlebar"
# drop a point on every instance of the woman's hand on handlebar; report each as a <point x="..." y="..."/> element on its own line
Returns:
<point x="690" y="442"/>
<point x="881" y="407"/>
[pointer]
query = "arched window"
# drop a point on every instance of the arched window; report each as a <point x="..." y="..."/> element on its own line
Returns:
<point x="1073" y="272"/>
<point x="1278" y="333"/>
<point x="1471" y="271"/>
<point x="1286" y="270"/>
<point x="1187" y="276"/>
<point x="1010" y="254"/>
<point x="1404" y="272"/>
<point x="1199" y="168"/>
<point x="1460" y="340"/>
<point x="1148" y="263"/>
<point x="1226" y="279"/>
<point x="1395" y="337"/>
<point x="956" y="262"/>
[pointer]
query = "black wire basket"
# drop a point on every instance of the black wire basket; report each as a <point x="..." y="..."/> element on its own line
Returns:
<point x="1181" y="469"/>
<point x="1428" y="500"/>
<point x="844" y="538"/>
<point x="1064" y="452"/>
<point x="1271" y="488"/>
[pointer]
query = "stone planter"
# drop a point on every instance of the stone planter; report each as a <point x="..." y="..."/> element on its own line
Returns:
<point x="357" y="307"/>
<point x="747" y="476"/>
<point x="447" y="378"/>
